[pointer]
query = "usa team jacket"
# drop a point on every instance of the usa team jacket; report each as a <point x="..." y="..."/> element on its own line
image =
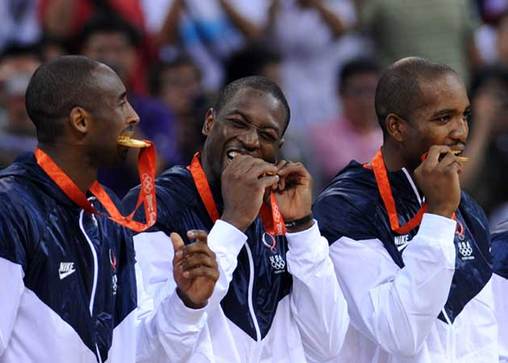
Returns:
<point x="279" y="304"/>
<point x="500" y="282"/>
<point x="424" y="297"/>
<point x="68" y="284"/>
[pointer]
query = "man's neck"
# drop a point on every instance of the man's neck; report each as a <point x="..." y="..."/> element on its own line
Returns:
<point x="392" y="156"/>
<point x="75" y="165"/>
<point x="213" y="180"/>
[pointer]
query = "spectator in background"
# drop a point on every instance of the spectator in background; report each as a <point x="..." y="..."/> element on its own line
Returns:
<point x="486" y="173"/>
<point x="311" y="38"/>
<point x="65" y="19"/>
<point x="207" y="30"/>
<point x="354" y="134"/>
<point x="439" y="30"/>
<point x="254" y="60"/>
<point x="112" y="41"/>
<point x="178" y="85"/>
<point x="17" y="132"/>
<point x="18" y="22"/>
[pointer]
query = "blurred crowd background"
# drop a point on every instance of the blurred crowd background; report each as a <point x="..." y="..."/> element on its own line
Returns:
<point x="327" y="55"/>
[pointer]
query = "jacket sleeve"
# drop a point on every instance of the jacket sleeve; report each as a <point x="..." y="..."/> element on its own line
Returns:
<point x="167" y="329"/>
<point x="12" y="265"/>
<point x="499" y="252"/>
<point x="317" y="302"/>
<point x="396" y="307"/>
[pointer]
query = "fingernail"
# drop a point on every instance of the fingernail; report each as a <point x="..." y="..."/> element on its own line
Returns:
<point x="191" y="234"/>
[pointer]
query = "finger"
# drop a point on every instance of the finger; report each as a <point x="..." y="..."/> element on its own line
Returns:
<point x="242" y="163"/>
<point x="198" y="247"/>
<point x="198" y="259"/>
<point x="269" y="181"/>
<point x="210" y="273"/>
<point x="447" y="160"/>
<point x="295" y="169"/>
<point x="281" y="163"/>
<point x="197" y="235"/>
<point x="178" y="244"/>
<point x="262" y="168"/>
<point x="434" y="154"/>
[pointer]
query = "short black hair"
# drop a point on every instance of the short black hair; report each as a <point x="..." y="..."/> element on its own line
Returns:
<point x="258" y="83"/>
<point x="249" y="61"/>
<point x="354" y="67"/>
<point x="398" y="90"/>
<point x="55" y="88"/>
<point x="109" y="23"/>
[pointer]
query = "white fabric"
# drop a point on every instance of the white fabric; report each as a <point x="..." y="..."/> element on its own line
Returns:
<point x="309" y="325"/>
<point x="31" y="332"/>
<point x="500" y="286"/>
<point x="394" y="311"/>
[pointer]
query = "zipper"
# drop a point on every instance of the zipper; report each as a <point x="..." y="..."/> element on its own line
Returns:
<point x="249" y="296"/>
<point x="95" y="275"/>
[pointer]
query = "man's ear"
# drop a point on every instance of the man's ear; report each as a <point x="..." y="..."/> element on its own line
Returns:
<point x="209" y="121"/>
<point x="396" y="127"/>
<point x="79" y="120"/>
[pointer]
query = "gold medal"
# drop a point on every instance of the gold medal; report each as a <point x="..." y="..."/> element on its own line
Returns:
<point x="462" y="159"/>
<point x="128" y="142"/>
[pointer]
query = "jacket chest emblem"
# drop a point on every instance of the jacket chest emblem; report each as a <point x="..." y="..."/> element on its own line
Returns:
<point x="464" y="245"/>
<point x="278" y="264"/>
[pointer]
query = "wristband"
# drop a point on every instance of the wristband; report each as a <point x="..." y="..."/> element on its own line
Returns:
<point x="299" y="222"/>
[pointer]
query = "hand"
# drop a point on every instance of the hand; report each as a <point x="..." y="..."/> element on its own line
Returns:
<point x="194" y="269"/>
<point x="438" y="178"/>
<point x="294" y="191"/>
<point x="244" y="182"/>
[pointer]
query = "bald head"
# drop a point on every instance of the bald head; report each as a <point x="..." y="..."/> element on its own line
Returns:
<point x="399" y="90"/>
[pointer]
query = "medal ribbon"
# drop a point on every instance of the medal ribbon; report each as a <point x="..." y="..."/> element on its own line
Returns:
<point x="271" y="217"/>
<point x="385" y="190"/>
<point x="146" y="170"/>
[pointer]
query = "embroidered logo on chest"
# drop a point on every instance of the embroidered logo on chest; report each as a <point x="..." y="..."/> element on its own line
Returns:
<point x="401" y="242"/>
<point x="66" y="269"/>
<point x="464" y="246"/>
<point x="278" y="263"/>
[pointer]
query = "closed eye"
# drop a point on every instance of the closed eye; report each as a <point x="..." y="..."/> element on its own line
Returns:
<point x="239" y="124"/>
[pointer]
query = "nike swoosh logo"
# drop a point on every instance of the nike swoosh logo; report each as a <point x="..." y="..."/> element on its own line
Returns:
<point x="402" y="246"/>
<point x="63" y="275"/>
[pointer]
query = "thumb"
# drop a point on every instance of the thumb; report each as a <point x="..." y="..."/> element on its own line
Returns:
<point x="177" y="241"/>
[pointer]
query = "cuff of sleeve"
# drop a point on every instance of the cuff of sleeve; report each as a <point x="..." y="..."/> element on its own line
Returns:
<point x="302" y="241"/>
<point x="442" y="230"/>
<point x="226" y="237"/>
<point x="180" y="314"/>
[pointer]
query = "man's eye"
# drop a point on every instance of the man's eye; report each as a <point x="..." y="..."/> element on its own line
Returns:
<point x="444" y="119"/>
<point x="238" y="124"/>
<point x="268" y="136"/>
